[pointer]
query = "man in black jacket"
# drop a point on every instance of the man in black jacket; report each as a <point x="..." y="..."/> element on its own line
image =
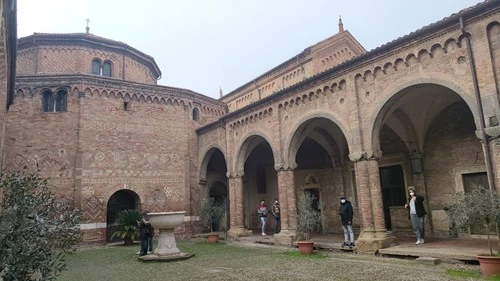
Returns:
<point x="346" y="213"/>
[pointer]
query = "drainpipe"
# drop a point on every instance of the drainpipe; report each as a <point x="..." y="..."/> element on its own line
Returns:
<point x="484" y="138"/>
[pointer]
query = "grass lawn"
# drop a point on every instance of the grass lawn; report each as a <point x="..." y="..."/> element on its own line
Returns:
<point x="232" y="262"/>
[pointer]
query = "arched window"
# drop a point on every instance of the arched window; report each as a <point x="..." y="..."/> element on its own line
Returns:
<point x="196" y="114"/>
<point x="47" y="101"/>
<point x="106" y="69"/>
<point x="96" y="67"/>
<point x="61" y="100"/>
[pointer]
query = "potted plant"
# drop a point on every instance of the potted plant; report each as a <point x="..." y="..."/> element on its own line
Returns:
<point x="478" y="208"/>
<point x="127" y="226"/>
<point x="211" y="213"/>
<point x="308" y="219"/>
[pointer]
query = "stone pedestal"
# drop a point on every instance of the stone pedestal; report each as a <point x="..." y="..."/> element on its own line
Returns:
<point x="235" y="232"/>
<point x="372" y="241"/>
<point x="167" y="249"/>
<point x="166" y="243"/>
<point x="285" y="238"/>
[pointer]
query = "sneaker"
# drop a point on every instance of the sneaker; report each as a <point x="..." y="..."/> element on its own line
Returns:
<point x="351" y="245"/>
<point x="421" y="241"/>
<point x="138" y="253"/>
<point x="263" y="234"/>
<point x="149" y="253"/>
<point x="418" y="242"/>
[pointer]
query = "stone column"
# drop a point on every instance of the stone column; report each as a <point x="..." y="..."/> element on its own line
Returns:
<point x="364" y="199"/>
<point x="377" y="203"/>
<point x="288" y="204"/>
<point x="373" y="234"/>
<point x="236" y="225"/>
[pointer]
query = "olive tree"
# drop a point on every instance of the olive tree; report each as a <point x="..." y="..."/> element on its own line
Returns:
<point x="36" y="229"/>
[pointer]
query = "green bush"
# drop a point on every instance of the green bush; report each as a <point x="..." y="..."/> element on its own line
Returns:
<point x="211" y="212"/>
<point x="128" y="228"/>
<point x="479" y="207"/>
<point x="36" y="230"/>
<point x="308" y="218"/>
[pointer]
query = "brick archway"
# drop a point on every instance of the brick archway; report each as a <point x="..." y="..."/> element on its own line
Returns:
<point x="207" y="155"/>
<point x="247" y="144"/>
<point x="386" y="104"/>
<point x="296" y="135"/>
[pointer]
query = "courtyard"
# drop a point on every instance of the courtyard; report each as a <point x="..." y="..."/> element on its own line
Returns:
<point x="237" y="261"/>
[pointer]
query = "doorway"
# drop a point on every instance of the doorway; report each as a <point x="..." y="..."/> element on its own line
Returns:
<point x="392" y="183"/>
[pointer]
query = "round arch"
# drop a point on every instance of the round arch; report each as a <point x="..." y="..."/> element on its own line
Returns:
<point x="294" y="139"/>
<point x="245" y="147"/>
<point x="123" y="199"/>
<point x="384" y="105"/>
<point x="207" y="154"/>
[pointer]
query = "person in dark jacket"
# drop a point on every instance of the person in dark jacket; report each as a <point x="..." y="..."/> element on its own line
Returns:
<point x="346" y="213"/>
<point x="144" y="227"/>
<point x="149" y="235"/>
<point x="276" y="211"/>
<point x="417" y="214"/>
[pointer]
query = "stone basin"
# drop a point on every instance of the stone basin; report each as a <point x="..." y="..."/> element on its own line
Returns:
<point x="167" y="249"/>
<point x="166" y="220"/>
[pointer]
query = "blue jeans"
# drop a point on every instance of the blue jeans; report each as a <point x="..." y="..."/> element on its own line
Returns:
<point x="150" y="244"/>
<point x="348" y="234"/>
<point x="277" y="224"/>
<point x="418" y="226"/>
<point x="144" y="246"/>
<point x="263" y="221"/>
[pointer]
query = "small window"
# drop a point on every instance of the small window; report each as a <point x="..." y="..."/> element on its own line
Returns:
<point x="196" y="114"/>
<point x="96" y="67"/>
<point x="125" y="105"/>
<point x="47" y="102"/>
<point x="61" y="101"/>
<point x="106" y="69"/>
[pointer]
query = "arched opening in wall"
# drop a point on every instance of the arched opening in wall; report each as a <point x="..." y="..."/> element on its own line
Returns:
<point x="259" y="181"/>
<point x="106" y="69"/>
<point x="196" y="114"/>
<point x="47" y="101"/>
<point x="61" y="100"/>
<point x="319" y="148"/>
<point x="426" y="133"/>
<point x="213" y="173"/>
<point x="96" y="67"/>
<point x="218" y="191"/>
<point x="121" y="200"/>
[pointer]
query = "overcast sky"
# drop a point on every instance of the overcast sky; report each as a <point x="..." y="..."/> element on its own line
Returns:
<point x="202" y="45"/>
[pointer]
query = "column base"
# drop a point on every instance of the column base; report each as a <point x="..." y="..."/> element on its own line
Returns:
<point x="371" y="242"/>
<point x="235" y="232"/>
<point x="285" y="238"/>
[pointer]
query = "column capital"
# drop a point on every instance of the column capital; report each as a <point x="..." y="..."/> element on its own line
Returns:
<point x="232" y="175"/>
<point x="365" y="155"/>
<point x="285" y="167"/>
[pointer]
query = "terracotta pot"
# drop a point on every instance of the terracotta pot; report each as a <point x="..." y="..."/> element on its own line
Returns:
<point x="306" y="247"/>
<point x="213" y="237"/>
<point x="489" y="264"/>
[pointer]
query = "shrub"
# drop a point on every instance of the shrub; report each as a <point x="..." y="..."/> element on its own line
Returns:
<point x="128" y="228"/>
<point x="211" y="212"/>
<point x="479" y="207"/>
<point x="308" y="218"/>
<point x="36" y="230"/>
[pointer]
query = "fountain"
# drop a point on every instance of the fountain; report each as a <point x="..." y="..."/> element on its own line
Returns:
<point x="167" y="248"/>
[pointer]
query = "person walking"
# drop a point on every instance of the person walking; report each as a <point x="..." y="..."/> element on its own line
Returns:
<point x="276" y="211"/>
<point x="346" y="214"/>
<point x="262" y="211"/>
<point x="417" y="214"/>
